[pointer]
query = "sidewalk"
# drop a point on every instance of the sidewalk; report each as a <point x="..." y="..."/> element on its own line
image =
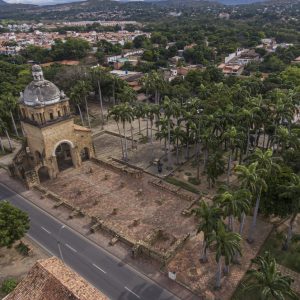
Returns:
<point x="148" y="267"/>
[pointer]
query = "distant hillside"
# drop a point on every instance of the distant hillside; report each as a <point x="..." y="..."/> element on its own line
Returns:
<point x="236" y="2"/>
<point x="2" y="2"/>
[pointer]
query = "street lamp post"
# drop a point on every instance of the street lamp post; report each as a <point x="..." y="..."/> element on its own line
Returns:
<point x="58" y="242"/>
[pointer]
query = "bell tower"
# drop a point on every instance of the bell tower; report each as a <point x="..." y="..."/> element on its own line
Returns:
<point x="54" y="142"/>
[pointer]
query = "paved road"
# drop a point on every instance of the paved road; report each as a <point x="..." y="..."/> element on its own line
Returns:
<point x="101" y="269"/>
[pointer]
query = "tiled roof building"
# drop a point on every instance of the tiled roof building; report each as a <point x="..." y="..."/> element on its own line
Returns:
<point x="50" y="279"/>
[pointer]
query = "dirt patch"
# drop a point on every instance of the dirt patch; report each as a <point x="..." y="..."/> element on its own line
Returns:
<point x="200" y="277"/>
<point x="15" y="265"/>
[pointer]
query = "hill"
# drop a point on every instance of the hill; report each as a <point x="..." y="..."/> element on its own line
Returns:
<point x="2" y="2"/>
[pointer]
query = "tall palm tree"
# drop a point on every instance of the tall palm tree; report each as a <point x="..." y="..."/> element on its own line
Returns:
<point x="82" y="88"/>
<point x="11" y="105"/>
<point x="75" y="97"/>
<point x="98" y="73"/>
<point x="292" y="191"/>
<point x="227" y="245"/>
<point x="177" y="136"/>
<point x="234" y="204"/>
<point x="267" y="281"/>
<point x="3" y="128"/>
<point x="252" y="178"/>
<point x="154" y="82"/>
<point x="126" y="115"/>
<point x="163" y="133"/>
<point x="114" y="112"/>
<point x="208" y="215"/>
<point x="171" y="110"/>
<point x="266" y="161"/>
<point x="230" y="136"/>
<point x="151" y="110"/>
<point x="139" y="112"/>
<point x="215" y="167"/>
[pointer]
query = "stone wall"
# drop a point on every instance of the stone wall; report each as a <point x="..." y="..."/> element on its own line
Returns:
<point x="138" y="247"/>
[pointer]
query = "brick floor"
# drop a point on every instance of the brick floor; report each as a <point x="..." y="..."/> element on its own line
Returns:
<point x="119" y="200"/>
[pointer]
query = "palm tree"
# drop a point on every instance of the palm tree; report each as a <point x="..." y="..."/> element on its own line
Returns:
<point x="4" y="130"/>
<point x="171" y="109"/>
<point x="83" y="88"/>
<point x="177" y="135"/>
<point x="98" y="74"/>
<point x="114" y="112"/>
<point x="139" y="112"/>
<point x="267" y="281"/>
<point x="252" y="178"/>
<point x="266" y="161"/>
<point x="227" y="245"/>
<point x="234" y="204"/>
<point x="154" y="82"/>
<point x="163" y="133"/>
<point x="292" y="191"/>
<point x="208" y="218"/>
<point x="215" y="167"/>
<point x="75" y="97"/>
<point x="126" y="115"/>
<point x="11" y="105"/>
<point x="230" y="135"/>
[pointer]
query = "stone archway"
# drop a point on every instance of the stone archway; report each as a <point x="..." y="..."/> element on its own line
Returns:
<point x="43" y="173"/>
<point x="63" y="153"/>
<point x="85" y="154"/>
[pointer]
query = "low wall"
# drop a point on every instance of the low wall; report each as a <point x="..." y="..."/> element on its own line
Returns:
<point x="116" y="166"/>
<point x="140" y="247"/>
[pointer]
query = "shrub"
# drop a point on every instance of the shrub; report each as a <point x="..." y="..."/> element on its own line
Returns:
<point x="22" y="249"/>
<point x="194" y="180"/>
<point x="8" y="285"/>
<point x="182" y="184"/>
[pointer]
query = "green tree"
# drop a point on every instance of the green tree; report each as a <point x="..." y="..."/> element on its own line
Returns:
<point x="227" y="245"/>
<point x="8" y="285"/>
<point x="292" y="192"/>
<point x="214" y="167"/>
<point x="208" y="215"/>
<point x="124" y="113"/>
<point x="14" y="223"/>
<point x="267" y="281"/>
<point x="252" y="178"/>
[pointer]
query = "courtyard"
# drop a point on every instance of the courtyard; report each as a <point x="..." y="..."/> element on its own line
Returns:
<point x="134" y="208"/>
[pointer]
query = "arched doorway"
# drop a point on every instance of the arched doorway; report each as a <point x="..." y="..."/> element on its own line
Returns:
<point x="63" y="156"/>
<point x="43" y="174"/>
<point x="38" y="157"/>
<point x="85" y="154"/>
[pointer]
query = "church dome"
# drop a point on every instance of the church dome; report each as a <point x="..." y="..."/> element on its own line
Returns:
<point x="40" y="92"/>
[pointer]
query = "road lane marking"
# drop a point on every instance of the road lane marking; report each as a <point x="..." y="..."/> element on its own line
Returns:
<point x="126" y="288"/>
<point x="99" y="268"/>
<point x="71" y="248"/>
<point x="46" y="230"/>
<point x="34" y="206"/>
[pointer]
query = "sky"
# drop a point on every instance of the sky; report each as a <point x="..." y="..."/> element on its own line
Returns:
<point x="40" y="2"/>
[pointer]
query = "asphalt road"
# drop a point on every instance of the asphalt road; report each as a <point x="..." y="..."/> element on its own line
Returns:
<point x="100" y="268"/>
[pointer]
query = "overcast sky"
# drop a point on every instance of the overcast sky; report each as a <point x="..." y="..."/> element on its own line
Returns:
<point x="40" y="2"/>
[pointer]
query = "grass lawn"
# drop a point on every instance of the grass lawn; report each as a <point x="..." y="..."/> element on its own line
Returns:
<point x="182" y="184"/>
<point x="290" y="258"/>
